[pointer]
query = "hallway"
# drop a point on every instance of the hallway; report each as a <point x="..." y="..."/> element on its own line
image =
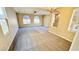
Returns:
<point x="39" y="39"/>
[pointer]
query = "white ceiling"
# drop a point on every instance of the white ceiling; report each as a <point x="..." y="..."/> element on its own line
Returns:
<point x="30" y="10"/>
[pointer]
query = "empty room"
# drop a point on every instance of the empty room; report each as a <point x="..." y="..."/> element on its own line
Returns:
<point x="39" y="28"/>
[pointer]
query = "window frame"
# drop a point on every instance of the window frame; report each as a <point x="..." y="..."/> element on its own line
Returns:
<point x="26" y="20"/>
<point x="4" y="17"/>
<point x="37" y="22"/>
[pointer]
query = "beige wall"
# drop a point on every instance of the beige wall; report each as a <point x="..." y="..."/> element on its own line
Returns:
<point x="20" y="20"/>
<point x="6" y="40"/>
<point x="64" y="19"/>
<point x="46" y="20"/>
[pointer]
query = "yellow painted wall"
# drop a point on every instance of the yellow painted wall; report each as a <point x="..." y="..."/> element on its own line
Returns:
<point x="20" y="20"/>
<point x="64" y="19"/>
<point x="6" y="40"/>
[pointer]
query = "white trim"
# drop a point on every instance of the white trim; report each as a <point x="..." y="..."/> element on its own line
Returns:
<point x="5" y="13"/>
<point x="12" y="40"/>
<point x="69" y="27"/>
<point x="53" y="19"/>
<point x="73" y="41"/>
<point x="71" y="21"/>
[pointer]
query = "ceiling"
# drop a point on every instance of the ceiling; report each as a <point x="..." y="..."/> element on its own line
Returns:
<point x="30" y="10"/>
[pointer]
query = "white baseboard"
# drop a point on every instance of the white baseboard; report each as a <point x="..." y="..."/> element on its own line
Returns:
<point x="60" y="36"/>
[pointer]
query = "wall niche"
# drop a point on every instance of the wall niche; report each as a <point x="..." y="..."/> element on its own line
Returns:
<point x="55" y="16"/>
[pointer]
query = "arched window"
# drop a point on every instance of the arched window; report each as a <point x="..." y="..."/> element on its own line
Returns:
<point x="26" y="20"/>
<point x="36" y="19"/>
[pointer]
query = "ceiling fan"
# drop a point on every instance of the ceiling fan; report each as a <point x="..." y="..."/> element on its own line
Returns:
<point x="54" y="11"/>
<point x="35" y="11"/>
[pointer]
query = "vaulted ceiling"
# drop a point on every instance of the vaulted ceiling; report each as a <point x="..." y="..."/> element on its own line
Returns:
<point x="34" y="10"/>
